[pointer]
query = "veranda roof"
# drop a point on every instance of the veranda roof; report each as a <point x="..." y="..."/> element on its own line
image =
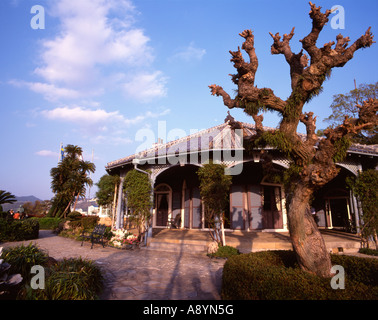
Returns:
<point x="220" y="137"/>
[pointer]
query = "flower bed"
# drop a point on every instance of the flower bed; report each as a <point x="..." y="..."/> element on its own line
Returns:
<point x="124" y="239"/>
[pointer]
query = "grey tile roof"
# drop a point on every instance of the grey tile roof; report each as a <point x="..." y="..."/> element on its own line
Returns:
<point x="219" y="137"/>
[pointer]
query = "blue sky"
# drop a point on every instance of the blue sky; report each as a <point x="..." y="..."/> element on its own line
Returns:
<point x="101" y="70"/>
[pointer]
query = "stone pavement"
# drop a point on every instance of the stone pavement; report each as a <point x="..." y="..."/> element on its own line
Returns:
<point x="142" y="274"/>
<point x="172" y="269"/>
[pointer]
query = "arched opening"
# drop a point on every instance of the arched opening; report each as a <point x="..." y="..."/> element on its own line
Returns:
<point x="163" y="196"/>
<point x="183" y="199"/>
<point x="256" y="201"/>
<point x="272" y="204"/>
<point x="334" y="204"/>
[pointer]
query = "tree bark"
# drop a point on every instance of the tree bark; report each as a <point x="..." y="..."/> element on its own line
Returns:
<point x="306" y="238"/>
<point x="222" y="230"/>
<point x="65" y="210"/>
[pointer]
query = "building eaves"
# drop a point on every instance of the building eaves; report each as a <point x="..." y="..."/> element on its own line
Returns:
<point x="213" y="139"/>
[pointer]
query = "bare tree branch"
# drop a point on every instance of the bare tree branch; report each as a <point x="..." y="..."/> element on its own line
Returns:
<point x="249" y="97"/>
<point x="297" y="62"/>
<point x="341" y="55"/>
<point x="309" y="121"/>
<point x="367" y="119"/>
<point x="218" y="91"/>
<point x="319" y="20"/>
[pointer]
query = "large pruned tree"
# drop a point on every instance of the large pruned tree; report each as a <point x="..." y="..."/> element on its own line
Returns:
<point x="313" y="160"/>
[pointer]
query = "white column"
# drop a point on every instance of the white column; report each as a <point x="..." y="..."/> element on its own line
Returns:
<point x="119" y="213"/>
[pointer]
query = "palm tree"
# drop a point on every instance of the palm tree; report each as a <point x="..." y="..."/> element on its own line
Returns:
<point x="6" y="197"/>
<point x="82" y="179"/>
<point x="69" y="179"/>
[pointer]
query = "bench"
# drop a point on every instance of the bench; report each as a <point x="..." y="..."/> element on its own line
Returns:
<point x="97" y="235"/>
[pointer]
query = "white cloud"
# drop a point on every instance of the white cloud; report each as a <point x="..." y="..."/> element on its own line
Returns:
<point x="96" y="39"/>
<point x="47" y="153"/>
<point x="189" y="53"/>
<point x="99" y="125"/>
<point x="49" y="91"/>
<point x="81" y="115"/>
<point x="88" y="40"/>
<point x="98" y="117"/>
<point x="146" y="86"/>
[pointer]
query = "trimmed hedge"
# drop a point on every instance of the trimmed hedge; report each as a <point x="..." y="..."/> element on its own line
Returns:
<point x="224" y="252"/>
<point x="18" y="230"/>
<point x="86" y="223"/>
<point x="48" y="223"/>
<point x="275" y="275"/>
<point x="368" y="251"/>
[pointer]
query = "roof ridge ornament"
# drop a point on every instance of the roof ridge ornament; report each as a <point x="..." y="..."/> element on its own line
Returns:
<point x="230" y="120"/>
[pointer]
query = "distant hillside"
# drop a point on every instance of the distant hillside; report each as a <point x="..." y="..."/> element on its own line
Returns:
<point x="28" y="199"/>
<point x="20" y="201"/>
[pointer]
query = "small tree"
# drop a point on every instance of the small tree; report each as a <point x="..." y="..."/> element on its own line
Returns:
<point x="106" y="189"/>
<point x="214" y="190"/>
<point x="365" y="186"/>
<point x="138" y="193"/>
<point x="37" y="207"/>
<point x="107" y="192"/>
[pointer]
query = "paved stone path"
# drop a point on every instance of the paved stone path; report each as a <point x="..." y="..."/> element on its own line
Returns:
<point x="142" y="274"/>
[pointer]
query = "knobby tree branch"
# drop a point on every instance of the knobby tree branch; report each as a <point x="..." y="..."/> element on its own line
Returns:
<point x="307" y="76"/>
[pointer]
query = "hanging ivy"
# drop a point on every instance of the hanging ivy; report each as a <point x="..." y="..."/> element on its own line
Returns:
<point x="341" y="147"/>
<point x="137" y="187"/>
<point x="365" y="186"/>
<point x="275" y="139"/>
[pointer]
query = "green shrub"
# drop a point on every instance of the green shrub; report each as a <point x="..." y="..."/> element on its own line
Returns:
<point x="371" y="252"/>
<point x="108" y="234"/>
<point x="22" y="258"/>
<point x="18" y="230"/>
<point x="5" y="215"/>
<point x="74" y="216"/>
<point x="48" y="223"/>
<point x="86" y="223"/>
<point x="364" y="270"/>
<point x="225" y="252"/>
<point x="275" y="275"/>
<point x="72" y="279"/>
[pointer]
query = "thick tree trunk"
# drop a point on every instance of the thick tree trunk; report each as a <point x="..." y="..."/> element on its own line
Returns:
<point x="307" y="241"/>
